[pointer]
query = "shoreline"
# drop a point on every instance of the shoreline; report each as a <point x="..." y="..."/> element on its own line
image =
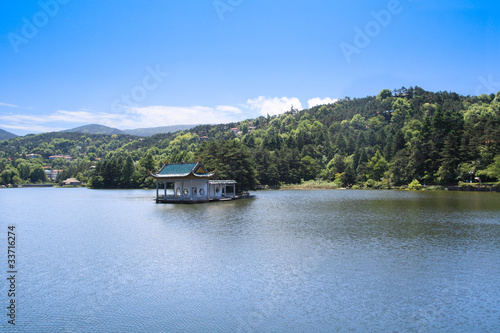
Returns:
<point x="332" y="186"/>
<point x="308" y="186"/>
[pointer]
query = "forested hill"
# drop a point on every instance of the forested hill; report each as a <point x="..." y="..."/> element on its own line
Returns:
<point x="95" y="129"/>
<point x="4" y="135"/>
<point x="392" y="139"/>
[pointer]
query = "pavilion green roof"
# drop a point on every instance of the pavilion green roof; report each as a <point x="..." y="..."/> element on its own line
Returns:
<point x="177" y="169"/>
<point x="183" y="170"/>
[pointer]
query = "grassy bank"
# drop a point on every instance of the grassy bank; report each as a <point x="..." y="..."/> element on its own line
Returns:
<point x="311" y="185"/>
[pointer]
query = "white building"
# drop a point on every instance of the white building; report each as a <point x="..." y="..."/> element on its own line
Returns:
<point x="191" y="183"/>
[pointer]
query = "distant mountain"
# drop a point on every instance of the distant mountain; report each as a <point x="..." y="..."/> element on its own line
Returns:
<point x="158" y="130"/>
<point x="101" y="129"/>
<point x="4" y="135"/>
<point x="95" y="129"/>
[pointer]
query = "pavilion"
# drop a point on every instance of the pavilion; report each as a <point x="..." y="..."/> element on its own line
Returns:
<point x="191" y="183"/>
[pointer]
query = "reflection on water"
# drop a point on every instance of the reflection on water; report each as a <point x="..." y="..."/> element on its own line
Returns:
<point x="288" y="261"/>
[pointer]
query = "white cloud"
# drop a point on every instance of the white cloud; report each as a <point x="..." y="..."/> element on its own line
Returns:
<point x="227" y="108"/>
<point x="273" y="106"/>
<point x="318" y="101"/>
<point x="152" y="116"/>
<point x="8" y="105"/>
<point x="32" y="128"/>
<point x="133" y="117"/>
<point x="59" y="116"/>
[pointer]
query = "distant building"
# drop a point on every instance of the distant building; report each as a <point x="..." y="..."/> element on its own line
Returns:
<point x="52" y="174"/>
<point x="236" y="131"/>
<point x="72" y="182"/>
<point x="53" y="157"/>
<point x="33" y="155"/>
<point x="204" y="138"/>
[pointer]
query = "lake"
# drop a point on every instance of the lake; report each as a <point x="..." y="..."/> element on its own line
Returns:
<point x="286" y="261"/>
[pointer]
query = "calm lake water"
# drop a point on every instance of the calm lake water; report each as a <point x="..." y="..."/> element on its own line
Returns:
<point x="286" y="261"/>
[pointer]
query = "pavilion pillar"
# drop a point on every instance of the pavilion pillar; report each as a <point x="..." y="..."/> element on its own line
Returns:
<point x="156" y="190"/>
<point x="191" y="188"/>
<point x="234" y="191"/>
<point x="182" y="189"/>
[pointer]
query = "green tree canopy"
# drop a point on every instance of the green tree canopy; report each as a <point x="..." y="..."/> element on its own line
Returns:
<point x="231" y="160"/>
<point x="376" y="167"/>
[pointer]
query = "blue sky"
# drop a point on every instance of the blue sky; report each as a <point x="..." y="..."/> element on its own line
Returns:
<point x="133" y="64"/>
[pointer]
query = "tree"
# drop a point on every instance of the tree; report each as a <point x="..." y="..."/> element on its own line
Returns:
<point x="447" y="171"/>
<point x="244" y="127"/>
<point x="361" y="168"/>
<point x="37" y="174"/>
<point x="288" y="164"/>
<point x="398" y="143"/>
<point x="336" y="165"/>
<point x="128" y="171"/>
<point x="493" y="170"/>
<point x="398" y="168"/>
<point x="9" y="176"/>
<point x="308" y="168"/>
<point x="232" y="160"/>
<point x="348" y="176"/>
<point x="376" y="167"/>
<point x="401" y="109"/>
<point x="384" y="93"/>
<point x="341" y="143"/>
<point x="415" y="185"/>
<point x="24" y="170"/>
<point x="147" y="162"/>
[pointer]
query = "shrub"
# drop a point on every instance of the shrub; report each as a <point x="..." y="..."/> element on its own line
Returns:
<point x="415" y="185"/>
<point x="435" y="188"/>
<point x="370" y="183"/>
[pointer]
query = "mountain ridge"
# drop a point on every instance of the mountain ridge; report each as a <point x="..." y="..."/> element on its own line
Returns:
<point x="95" y="129"/>
<point x="5" y="135"/>
<point x="145" y="132"/>
<point x="150" y="131"/>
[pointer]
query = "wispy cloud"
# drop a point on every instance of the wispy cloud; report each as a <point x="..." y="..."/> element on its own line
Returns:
<point x="159" y="115"/>
<point x="8" y="105"/>
<point x="227" y="108"/>
<point x="273" y="106"/>
<point x="320" y="101"/>
<point x="59" y="116"/>
<point x="56" y="121"/>
<point x="31" y="128"/>
<point x="132" y="117"/>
